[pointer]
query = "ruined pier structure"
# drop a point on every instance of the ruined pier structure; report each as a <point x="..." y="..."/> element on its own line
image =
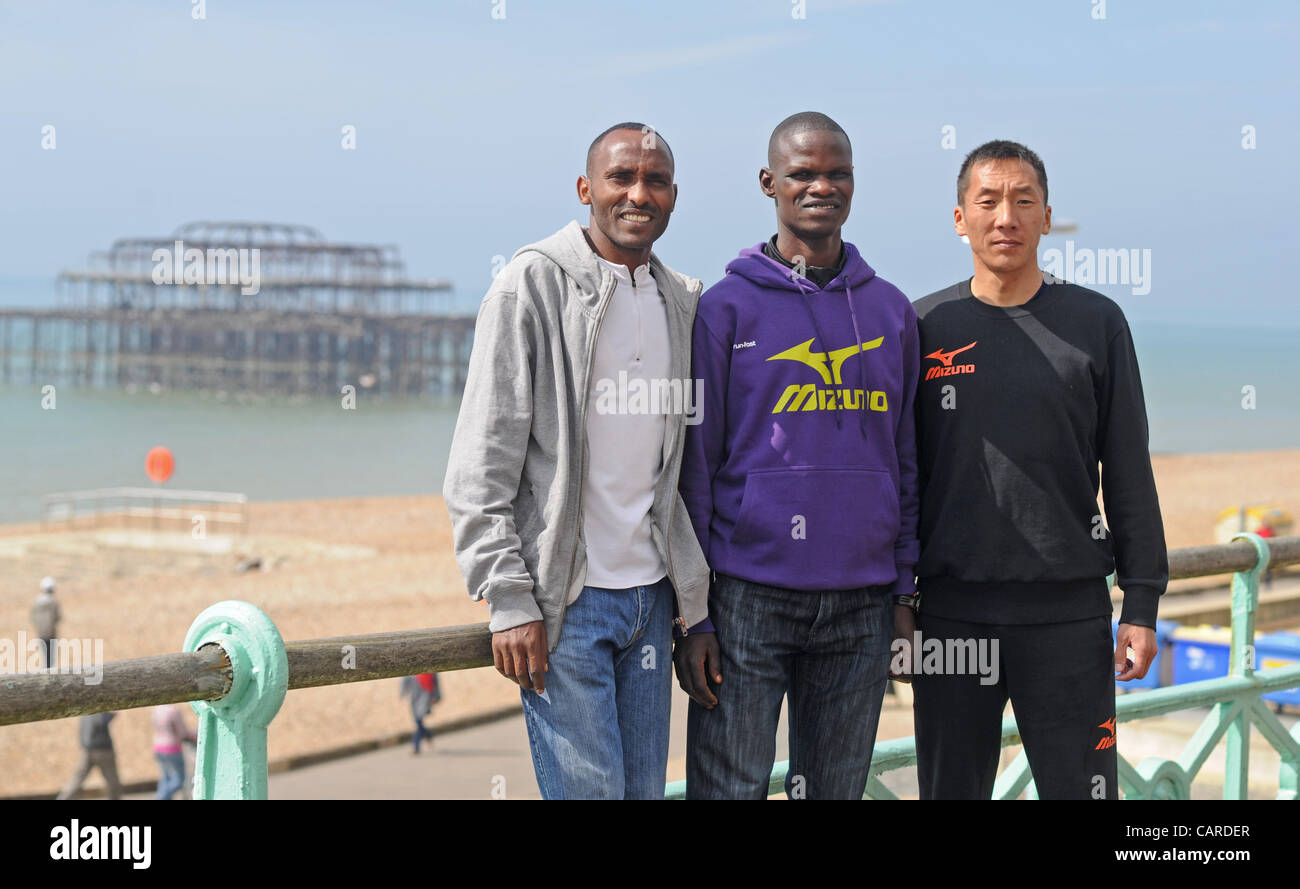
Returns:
<point x="242" y="307"/>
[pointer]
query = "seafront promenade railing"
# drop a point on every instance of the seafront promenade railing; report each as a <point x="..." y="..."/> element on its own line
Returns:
<point x="180" y="509"/>
<point x="236" y="669"/>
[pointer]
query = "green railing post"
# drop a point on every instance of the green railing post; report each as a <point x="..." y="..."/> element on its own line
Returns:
<point x="1288" y="785"/>
<point x="230" y="762"/>
<point x="1245" y="599"/>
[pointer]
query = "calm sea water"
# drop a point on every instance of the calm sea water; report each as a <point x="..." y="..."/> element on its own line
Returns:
<point x="277" y="449"/>
<point x="1195" y="381"/>
<point x="280" y="449"/>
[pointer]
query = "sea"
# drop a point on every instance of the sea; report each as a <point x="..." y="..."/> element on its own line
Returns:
<point x="1207" y="390"/>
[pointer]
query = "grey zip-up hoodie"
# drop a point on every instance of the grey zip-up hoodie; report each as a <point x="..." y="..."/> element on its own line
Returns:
<point x="514" y="475"/>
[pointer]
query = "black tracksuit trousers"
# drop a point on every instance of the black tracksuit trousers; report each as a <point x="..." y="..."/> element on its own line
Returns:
<point x="1061" y="682"/>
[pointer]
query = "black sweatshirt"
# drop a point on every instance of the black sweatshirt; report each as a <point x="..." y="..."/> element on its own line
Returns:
<point x="1015" y="408"/>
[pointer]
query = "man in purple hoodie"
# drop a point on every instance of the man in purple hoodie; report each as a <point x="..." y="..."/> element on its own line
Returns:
<point x="801" y="484"/>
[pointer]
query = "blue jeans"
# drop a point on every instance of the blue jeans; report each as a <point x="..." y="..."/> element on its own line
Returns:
<point x="600" y="731"/>
<point x="173" y="774"/>
<point x="829" y="651"/>
<point x="421" y="734"/>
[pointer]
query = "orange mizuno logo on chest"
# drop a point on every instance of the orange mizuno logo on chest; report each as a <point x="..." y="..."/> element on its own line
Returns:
<point x="945" y="367"/>
<point x="946" y="357"/>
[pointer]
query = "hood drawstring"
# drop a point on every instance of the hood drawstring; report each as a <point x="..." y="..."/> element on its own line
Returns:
<point x="862" y="364"/>
<point x="839" y="421"/>
<point x="762" y="270"/>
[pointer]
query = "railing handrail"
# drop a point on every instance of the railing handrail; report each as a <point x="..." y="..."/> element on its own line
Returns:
<point x="1227" y="558"/>
<point x="236" y="670"/>
<point x="146" y="493"/>
<point x="137" y="502"/>
<point x="31" y="697"/>
<point x="127" y="684"/>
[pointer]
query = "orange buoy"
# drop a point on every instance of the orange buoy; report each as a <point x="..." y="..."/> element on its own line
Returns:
<point x="159" y="463"/>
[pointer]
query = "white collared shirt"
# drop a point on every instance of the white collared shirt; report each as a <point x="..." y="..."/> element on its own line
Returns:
<point x="625" y="434"/>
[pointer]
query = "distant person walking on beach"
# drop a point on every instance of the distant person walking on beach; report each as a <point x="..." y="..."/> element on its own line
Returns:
<point x="1266" y="531"/>
<point x="46" y="617"/>
<point x="96" y="752"/>
<point x="562" y="477"/>
<point x="170" y="733"/>
<point x="1028" y="384"/>
<point x="424" y="692"/>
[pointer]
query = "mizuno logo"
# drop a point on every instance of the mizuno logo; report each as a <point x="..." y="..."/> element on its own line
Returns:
<point x="946" y="357"/>
<point x="804" y="354"/>
<point x="945" y="367"/>
<point x="1109" y="741"/>
<point x="830" y="366"/>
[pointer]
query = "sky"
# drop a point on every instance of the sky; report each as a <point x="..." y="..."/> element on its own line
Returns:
<point x="472" y="120"/>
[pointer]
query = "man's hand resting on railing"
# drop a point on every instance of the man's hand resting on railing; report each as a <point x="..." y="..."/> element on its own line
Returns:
<point x="520" y="655"/>
<point x="1143" y="642"/>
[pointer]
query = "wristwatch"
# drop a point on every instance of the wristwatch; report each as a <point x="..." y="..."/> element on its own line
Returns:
<point x="912" y="602"/>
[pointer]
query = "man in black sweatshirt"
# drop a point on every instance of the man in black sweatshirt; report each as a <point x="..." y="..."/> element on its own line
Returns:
<point x="1027" y="383"/>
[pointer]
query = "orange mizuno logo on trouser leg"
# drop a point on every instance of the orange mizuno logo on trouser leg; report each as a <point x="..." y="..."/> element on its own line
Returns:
<point x="1108" y="741"/>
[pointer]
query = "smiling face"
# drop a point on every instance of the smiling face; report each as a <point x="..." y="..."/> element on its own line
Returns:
<point x="1003" y="213"/>
<point x="811" y="179"/>
<point x="630" y="190"/>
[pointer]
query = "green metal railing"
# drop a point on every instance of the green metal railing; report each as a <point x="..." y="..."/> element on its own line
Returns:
<point x="1235" y="702"/>
<point x="236" y="670"/>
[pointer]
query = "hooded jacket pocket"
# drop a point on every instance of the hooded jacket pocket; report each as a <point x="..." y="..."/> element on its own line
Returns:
<point x="819" y="527"/>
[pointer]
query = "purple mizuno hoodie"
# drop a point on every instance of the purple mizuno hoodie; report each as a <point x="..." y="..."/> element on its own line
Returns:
<point x="801" y="472"/>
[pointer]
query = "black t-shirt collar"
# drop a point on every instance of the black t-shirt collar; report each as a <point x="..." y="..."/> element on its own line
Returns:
<point x="1044" y="296"/>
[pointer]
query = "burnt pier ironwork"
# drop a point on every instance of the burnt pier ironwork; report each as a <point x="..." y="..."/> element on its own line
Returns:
<point x="319" y="316"/>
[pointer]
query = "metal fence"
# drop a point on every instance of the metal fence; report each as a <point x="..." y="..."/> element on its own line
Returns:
<point x="157" y="507"/>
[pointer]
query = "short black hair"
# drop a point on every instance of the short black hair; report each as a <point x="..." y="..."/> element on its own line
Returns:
<point x="628" y="125"/>
<point x="801" y="122"/>
<point x="999" y="150"/>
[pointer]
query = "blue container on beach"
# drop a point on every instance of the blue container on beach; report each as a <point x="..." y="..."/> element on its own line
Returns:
<point x="1277" y="650"/>
<point x="1201" y="653"/>
<point x="1161" y="671"/>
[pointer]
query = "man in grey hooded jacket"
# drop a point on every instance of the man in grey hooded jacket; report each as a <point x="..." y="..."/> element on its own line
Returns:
<point x="562" y="477"/>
